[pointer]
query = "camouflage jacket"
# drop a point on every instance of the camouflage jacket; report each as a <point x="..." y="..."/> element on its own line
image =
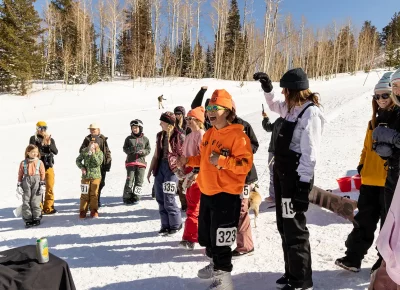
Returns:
<point x="92" y="163"/>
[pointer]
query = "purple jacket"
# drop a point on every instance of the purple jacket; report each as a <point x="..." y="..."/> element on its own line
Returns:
<point x="389" y="238"/>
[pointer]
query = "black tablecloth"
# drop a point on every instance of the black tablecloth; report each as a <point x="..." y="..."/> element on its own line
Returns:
<point x="20" y="270"/>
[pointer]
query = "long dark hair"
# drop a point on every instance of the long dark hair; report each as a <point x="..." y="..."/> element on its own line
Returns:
<point x="296" y="98"/>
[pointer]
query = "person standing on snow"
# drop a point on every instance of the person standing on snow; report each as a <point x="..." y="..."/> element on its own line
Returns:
<point x="371" y="206"/>
<point x="181" y="125"/>
<point x="160" y="99"/>
<point x="244" y="240"/>
<point x="102" y="142"/>
<point x="165" y="169"/>
<point x="47" y="149"/>
<point x="225" y="159"/>
<point x="136" y="147"/>
<point x="92" y="158"/>
<point x="296" y="153"/>
<point x="274" y="128"/>
<point x="31" y="186"/>
<point x="191" y="147"/>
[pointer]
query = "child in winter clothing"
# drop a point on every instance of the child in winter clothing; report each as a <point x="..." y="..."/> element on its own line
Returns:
<point x="296" y="153"/>
<point x="225" y="159"/>
<point x="191" y="147"/>
<point x="136" y="147"/>
<point x="371" y="205"/>
<point x="31" y="185"/>
<point x="92" y="158"/>
<point x="274" y="128"/>
<point x="164" y="168"/>
<point x="47" y="149"/>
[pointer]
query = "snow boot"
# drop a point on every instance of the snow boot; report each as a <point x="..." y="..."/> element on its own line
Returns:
<point x="236" y="254"/>
<point x="174" y="231"/>
<point x="186" y="245"/>
<point x="82" y="214"/>
<point x="163" y="231"/>
<point x="288" y="287"/>
<point x="94" y="214"/>
<point x="282" y="281"/>
<point x="28" y="224"/>
<point x="349" y="264"/>
<point x="206" y="272"/>
<point x="36" y="223"/>
<point x="221" y="281"/>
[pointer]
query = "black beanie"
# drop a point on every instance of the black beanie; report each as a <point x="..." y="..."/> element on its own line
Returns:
<point x="295" y="79"/>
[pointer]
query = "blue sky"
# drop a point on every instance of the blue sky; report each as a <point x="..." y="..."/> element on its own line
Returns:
<point x="318" y="13"/>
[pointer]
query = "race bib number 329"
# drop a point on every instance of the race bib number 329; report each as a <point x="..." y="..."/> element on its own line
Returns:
<point x="226" y="236"/>
<point x="169" y="187"/>
<point x="84" y="188"/>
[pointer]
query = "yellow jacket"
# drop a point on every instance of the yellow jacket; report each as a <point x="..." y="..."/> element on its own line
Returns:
<point x="373" y="171"/>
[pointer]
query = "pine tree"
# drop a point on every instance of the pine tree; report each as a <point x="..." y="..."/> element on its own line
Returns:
<point x="20" y="55"/>
<point x="209" y="71"/>
<point x="391" y="40"/>
<point x="183" y="57"/>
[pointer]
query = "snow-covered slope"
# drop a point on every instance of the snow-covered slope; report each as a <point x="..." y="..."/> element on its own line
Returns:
<point x="121" y="249"/>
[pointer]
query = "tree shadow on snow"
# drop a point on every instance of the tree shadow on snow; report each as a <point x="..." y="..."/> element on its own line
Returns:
<point x="327" y="280"/>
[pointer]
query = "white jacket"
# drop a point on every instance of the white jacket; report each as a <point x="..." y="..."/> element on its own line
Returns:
<point x="307" y="133"/>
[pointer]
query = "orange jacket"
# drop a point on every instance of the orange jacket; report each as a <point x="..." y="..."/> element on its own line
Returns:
<point x="235" y="166"/>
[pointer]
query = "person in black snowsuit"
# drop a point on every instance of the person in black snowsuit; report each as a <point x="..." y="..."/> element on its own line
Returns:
<point x="296" y="151"/>
<point x="274" y="128"/>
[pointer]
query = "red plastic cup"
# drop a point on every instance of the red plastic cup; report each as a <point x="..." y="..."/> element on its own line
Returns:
<point x="357" y="180"/>
<point x="344" y="184"/>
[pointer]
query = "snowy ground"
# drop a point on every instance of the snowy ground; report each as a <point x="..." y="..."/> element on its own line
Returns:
<point x="121" y="249"/>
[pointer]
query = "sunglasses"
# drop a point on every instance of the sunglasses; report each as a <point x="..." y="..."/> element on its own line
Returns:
<point x="42" y="128"/>
<point x="215" y="108"/>
<point x="383" y="96"/>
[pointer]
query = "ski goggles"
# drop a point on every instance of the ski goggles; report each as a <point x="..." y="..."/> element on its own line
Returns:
<point x="136" y="123"/>
<point x="383" y="96"/>
<point x="41" y="128"/>
<point x="215" y="108"/>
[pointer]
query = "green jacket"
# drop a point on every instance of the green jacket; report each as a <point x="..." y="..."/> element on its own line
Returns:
<point x="136" y="149"/>
<point x="92" y="163"/>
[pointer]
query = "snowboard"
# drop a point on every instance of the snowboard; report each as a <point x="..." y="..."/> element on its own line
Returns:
<point x="342" y="206"/>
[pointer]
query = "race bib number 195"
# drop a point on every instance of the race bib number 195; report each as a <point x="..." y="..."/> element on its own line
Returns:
<point x="226" y="236"/>
<point x="287" y="208"/>
<point x="169" y="187"/>
<point x="84" y="188"/>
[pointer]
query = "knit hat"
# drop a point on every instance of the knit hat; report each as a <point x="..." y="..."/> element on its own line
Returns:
<point x="136" y="122"/>
<point x="197" y="113"/>
<point x="94" y="126"/>
<point x="384" y="83"/>
<point x="180" y="110"/>
<point x="295" y="79"/>
<point x="221" y="98"/>
<point x="168" y="117"/>
<point x="395" y="76"/>
<point x="41" y="124"/>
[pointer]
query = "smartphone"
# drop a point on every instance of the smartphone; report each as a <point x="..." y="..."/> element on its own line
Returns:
<point x="263" y="108"/>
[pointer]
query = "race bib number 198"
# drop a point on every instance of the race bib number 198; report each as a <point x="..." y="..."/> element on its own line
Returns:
<point x="84" y="188"/>
<point x="169" y="187"/>
<point x="287" y="208"/>
<point x="246" y="192"/>
<point x="226" y="236"/>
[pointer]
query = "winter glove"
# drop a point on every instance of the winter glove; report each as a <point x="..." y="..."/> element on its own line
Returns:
<point x="265" y="81"/>
<point x="20" y="191"/>
<point x="385" y="135"/>
<point x="107" y="167"/>
<point x="189" y="180"/>
<point x="359" y="168"/>
<point x="300" y="200"/>
<point x="179" y="174"/>
<point x="42" y="187"/>
<point x="384" y="150"/>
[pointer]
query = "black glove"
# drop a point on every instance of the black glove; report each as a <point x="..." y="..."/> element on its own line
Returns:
<point x="265" y="81"/>
<point x="300" y="200"/>
<point x="359" y="168"/>
<point x="107" y="167"/>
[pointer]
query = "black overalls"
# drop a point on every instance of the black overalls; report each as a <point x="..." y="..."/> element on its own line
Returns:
<point x="291" y="225"/>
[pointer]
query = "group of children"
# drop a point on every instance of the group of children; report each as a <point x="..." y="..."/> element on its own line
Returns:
<point x="208" y="155"/>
